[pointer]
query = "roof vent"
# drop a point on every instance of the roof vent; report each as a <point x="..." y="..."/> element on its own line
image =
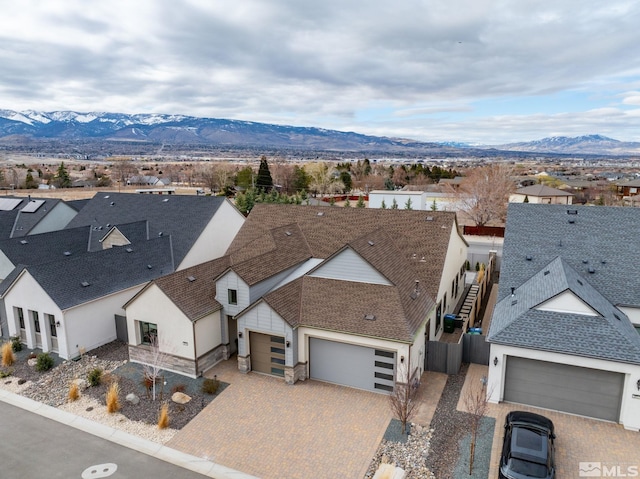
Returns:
<point x="370" y="243"/>
<point x="106" y="197"/>
<point x="24" y="242"/>
<point x="616" y="316"/>
<point x="165" y="200"/>
<point x="572" y="212"/>
<point x="429" y="218"/>
<point x="288" y="233"/>
<point x="513" y="291"/>
<point x="108" y="225"/>
<point x="579" y="282"/>
<point x="514" y="302"/>
<point x="571" y="221"/>
<point x="84" y="284"/>
<point x="591" y="270"/>
<point x="546" y="272"/>
<point x="423" y="260"/>
<point x="585" y="261"/>
<point x="100" y="228"/>
<point x="113" y="203"/>
<point x="370" y="317"/>
<point x="67" y="253"/>
<point x="160" y="233"/>
<point x="191" y="279"/>
<point x="149" y="266"/>
<point x="529" y="258"/>
<point x="603" y="261"/>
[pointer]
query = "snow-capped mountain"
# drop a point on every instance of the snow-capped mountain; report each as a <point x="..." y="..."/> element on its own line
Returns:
<point x="585" y="144"/>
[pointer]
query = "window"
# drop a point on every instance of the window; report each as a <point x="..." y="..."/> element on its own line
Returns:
<point x="438" y="316"/>
<point x="51" y="320"/>
<point x="444" y="302"/>
<point x="148" y="332"/>
<point x="233" y="296"/>
<point x="20" y="315"/>
<point x="36" y="321"/>
<point x="385" y="354"/>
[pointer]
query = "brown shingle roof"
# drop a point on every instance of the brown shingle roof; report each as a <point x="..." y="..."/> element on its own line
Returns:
<point x="195" y="298"/>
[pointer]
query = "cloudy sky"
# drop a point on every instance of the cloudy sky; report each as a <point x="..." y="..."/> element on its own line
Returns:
<point x="479" y="71"/>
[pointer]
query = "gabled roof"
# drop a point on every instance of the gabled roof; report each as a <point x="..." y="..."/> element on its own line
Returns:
<point x="517" y="321"/>
<point x="600" y="243"/>
<point x="90" y="276"/>
<point x="193" y="290"/>
<point x="45" y="247"/>
<point x="182" y="217"/>
<point x="422" y="237"/>
<point x="541" y="190"/>
<point x="18" y="222"/>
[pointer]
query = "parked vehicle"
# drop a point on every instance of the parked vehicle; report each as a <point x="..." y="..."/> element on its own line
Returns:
<point x="528" y="447"/>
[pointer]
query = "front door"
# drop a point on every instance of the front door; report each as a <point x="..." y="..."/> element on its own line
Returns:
<point x="51" y="322"/>
<point x="36" y="327"/>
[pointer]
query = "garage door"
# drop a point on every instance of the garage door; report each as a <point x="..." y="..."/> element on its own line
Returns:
<point x="267" y="353"/>
<point x="351" y="365"/>
<point x="583" y="391"/>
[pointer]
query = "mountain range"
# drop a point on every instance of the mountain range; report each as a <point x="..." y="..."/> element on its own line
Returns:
<point x="33" y="127"/>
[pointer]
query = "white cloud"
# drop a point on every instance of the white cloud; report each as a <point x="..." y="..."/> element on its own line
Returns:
<point x="328" y="64"/>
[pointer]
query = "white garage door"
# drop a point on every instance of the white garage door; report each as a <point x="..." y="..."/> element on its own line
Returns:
<point x="350" y="365"/>
<point x="572" y="389"/>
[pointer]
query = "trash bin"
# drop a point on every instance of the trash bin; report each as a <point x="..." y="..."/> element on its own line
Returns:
<point x="449" y="323"/>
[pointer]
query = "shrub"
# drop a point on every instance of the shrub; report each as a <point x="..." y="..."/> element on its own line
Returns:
<point x="94" y="377"/>
<point x="45" y="362"/>
<point x="113" y="400"/>
<point x="74" y="391"/>
<point x="210" y="386"/>
<point x="178" y="388"/>
<point x="16" y="344"/>
<point x="163" y="419"/>
<point x="8" y="358"/>
<point x="6" y="374"/>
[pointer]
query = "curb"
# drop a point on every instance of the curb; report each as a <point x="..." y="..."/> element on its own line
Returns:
<point x="150" y="448"/>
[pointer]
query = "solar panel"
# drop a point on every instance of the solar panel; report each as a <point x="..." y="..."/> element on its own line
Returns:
<point x="32" y="206"/>
<point x="7" y="204"/>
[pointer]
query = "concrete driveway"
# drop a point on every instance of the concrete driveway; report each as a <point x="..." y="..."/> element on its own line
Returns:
<point x="261" y="426"/>
<point x="578" y="439"/>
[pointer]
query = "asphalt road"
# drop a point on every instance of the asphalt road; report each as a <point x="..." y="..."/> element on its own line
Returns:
<point x="34" y="447"/>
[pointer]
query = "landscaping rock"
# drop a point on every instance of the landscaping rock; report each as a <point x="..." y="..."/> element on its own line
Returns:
<point x="180" y="398"/>
<point x="32" y="362"/>
<point x="132" y="398"/>
<point x="81" y="383"/>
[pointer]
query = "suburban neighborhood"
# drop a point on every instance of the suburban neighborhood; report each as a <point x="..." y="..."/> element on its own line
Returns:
<point x="339" y="325"/>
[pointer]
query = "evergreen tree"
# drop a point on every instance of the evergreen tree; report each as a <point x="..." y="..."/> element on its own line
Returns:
<point x="264" y="182"/>
<point x="434" y="206"/>
<point x="383" y="205"/>
<point x="388" y="184"/>
<point x="29" y="182"/>
<point x="345" y="177"/>
<point x="360" y="203"/>
<point x="300" y="179"/>
<point x="407" y="205"/>
<point x="332" y="201"/>
<point x="394" y="204"/>
<point x="244" y="178"/>
<point x="526" y="199"/>
<point x="62" y="177"/>
<point x="347" y="204"/>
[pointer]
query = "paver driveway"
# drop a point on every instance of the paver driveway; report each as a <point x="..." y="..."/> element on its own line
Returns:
<point x="261" y="426"/>
<point x="578" y="439"/>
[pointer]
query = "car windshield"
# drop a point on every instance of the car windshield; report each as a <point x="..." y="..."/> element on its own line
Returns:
<point x="526" y="468"/>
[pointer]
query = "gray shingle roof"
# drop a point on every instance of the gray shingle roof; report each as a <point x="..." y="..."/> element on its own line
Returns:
<point x="45" y="247"/>
<point x="182" y="217"/>
<point x="106" y="272"/>
<point x="598" y="238"/>
<point x="590" y="252"/>
<point x="542" y="190"/>
<point x="15" y="223"/>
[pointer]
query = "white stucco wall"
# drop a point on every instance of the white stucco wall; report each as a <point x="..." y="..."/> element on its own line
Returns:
<point x="378" y="196"/>
<point x="175" y="330"/>
<point x="93" y="324"/>
<point x="548" y="199"/>
<point x="630" y="408"/>
<point x="208" y="333"/>
<point x="216" y="236"/>
<point x="567" y="302"/>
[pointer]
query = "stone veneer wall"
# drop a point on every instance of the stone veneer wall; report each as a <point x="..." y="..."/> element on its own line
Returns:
<point x="140" y="354"/>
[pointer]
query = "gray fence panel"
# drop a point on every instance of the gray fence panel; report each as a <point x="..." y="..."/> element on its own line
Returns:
<point x="444" y="357"/>
<point x="475" y="349"/>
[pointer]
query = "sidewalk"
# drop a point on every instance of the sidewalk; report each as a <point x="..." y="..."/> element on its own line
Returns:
<point x="158" y="451"/>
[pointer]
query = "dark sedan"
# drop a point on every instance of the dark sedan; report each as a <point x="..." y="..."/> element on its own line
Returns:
<point x="528" y="447"/>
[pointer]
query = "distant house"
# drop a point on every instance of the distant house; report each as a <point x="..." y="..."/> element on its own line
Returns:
<point x="564" y="334"/>
<point x="146" y="180"/>
<point x="541" y="194"/>
<point x="626" y="189"/>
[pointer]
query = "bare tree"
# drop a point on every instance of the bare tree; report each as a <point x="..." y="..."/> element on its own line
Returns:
<point x="154" y="359"/>
<point x="403" y="400"/>
<point x="123" y="169"/>
<point x="324" y="179"/>
<point x="483" y="194"/>
<point x="476" y="402"/>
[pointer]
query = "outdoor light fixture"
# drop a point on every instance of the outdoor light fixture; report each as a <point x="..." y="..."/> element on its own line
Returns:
<point x="288" y="343"/>
<point x="58" y="325"/>
<point x="240" y="334"/>
<point x="402" y="359"/>
<point x="638" y="384"/>
<point x="495" y="361"/>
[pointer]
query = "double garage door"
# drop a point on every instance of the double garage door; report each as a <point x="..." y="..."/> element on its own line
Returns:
<point x="561" y="387"/>
<point x="351" y="365"/>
